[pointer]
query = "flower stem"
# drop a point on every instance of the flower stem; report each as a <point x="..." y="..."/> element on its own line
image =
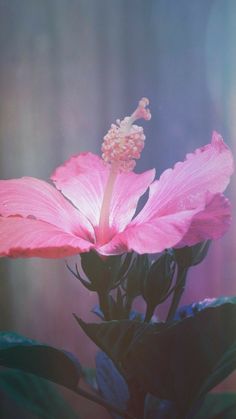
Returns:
<point x="103" y="403"/>
<point x="181" y="281"/>
<point x="104" y="304"/>
<point x="149" y="313"/>
<point x="128" y="306"/>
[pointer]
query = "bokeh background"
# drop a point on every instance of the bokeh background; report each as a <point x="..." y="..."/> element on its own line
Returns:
<point x="68" y="68"/>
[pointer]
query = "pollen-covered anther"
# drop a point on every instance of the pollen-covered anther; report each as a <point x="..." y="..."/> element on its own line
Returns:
<point x="124" y="141"/>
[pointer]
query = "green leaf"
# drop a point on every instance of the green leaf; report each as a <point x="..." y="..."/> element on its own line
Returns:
<point x="89" y="376"/>
<point x="218" y="406"/>
<point x="173" y="361"/>
<point x="19" y="352"/>
<point x="113" y="337"/>
<point x="156" y="408"/>
<point x="192" y="309"/>
<point x="222" y="369"/>
<point x="111" y="384"/>
<point x="35" y="394"/>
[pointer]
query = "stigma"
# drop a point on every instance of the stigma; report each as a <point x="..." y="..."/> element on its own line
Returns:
<point x="124" y="142"/>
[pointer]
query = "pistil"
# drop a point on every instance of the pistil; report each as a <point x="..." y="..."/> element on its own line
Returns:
<point x="122" y="145"/>
<point x="103" y="228"/>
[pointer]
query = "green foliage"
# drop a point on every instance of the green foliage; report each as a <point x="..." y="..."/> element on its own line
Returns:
<point x="179" y="361"/>
<point x="218" y="406"/>
<point x="111" y="384"/>
<point x="36" y="395"/>
<point x="89" y="376"/>
<point x="113" y="337"/>
<point x="226" y="364"/>
<point x="45" y="361"/>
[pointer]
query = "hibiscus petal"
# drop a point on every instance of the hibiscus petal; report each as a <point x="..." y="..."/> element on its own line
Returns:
<point x="179" y="201"/>
<point x="186" y="186"/>
<point x="30" y="197"/>
<point x="82" y="179"/>
<point x="24" y="237"/>
<point x="211" y="223"/>
<point x="153" y="236"/>
<point x="129" y="187"/>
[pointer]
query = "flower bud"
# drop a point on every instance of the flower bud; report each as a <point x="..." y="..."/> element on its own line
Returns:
<point x="104" y="274"/>
<point x="191" y="255"/>
<point x="158" y="281"/>
<point x="132" y="283"/>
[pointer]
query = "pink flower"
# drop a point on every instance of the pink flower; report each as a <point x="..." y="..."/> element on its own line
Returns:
<point x="94" y="202"/>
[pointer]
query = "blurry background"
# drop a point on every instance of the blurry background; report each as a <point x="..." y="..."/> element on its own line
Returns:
<point x="68" y="68"/>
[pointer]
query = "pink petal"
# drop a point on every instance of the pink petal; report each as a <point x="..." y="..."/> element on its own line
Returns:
<point x="30" y="197"/>
<point x="152" y="236"/>
<point x="184" y="228"/>
<point x="186" y="186"/>
<point x="211" y="223"/>
<point x="82" y="179"/>
<point x="178" y="201"/>
<point x="129" y="187"/>
<point x="23" y="237"/>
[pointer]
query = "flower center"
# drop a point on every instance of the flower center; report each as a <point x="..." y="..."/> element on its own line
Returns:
<point x="121" y="146"/>
<point x="124" y="141"/>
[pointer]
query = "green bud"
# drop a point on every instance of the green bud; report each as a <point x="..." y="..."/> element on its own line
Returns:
<point x="135" y="276"/>
<point x="191" y="255"/>
<point x="158" y="280"/>
<point x="104" y="273"/>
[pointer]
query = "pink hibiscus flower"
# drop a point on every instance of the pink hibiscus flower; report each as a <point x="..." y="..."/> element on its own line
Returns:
<point x="94" y="200"/>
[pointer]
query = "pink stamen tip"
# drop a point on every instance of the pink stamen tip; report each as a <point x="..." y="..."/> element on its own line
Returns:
<point x="124" y="141"/>
<point x="142" y="112"/>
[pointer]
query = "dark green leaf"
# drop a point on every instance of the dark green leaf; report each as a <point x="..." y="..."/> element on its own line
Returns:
<point x="9" y="339"/>
<point x="112" y="385"/>
<point x="222" y="369"/>
<point x="159" y="409"/>
<point x="113" y="337"/>
<point x="45" y="361"/>
<point x="176" y="362"/>
<point x="218" y="406"/>
<point x="173" y="361"/>
<point x="192" y="309"/>
<point x="35" y="394"/>
<point x="89" y="376"/>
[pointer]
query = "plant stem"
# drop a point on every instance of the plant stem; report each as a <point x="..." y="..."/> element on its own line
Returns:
<point x="104" y="304"/>
<point x="103" y="403"/>
<point x="149" y="313"/>
<point x="128" y="306"/>
<point x="181" y="281"/>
